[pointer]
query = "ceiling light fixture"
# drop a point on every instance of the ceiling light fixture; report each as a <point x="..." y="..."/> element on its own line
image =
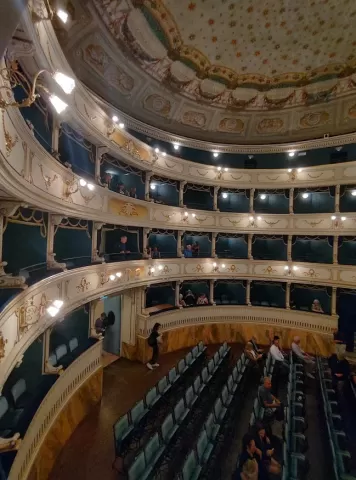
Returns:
<point x="66" y="83"/>
<point x="121" y="125"/>
<point x="63" y="15"/>
<point x="58" y="104"/>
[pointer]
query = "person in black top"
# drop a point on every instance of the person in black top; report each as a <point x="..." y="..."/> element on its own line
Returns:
<point x="263" y="444"/>
<point x="250" y="453"/>
<point x="341" y="371"/>
<point x="153" y="340"/>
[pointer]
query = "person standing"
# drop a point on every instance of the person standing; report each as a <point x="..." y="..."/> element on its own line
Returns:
<point x="153" y="341"/>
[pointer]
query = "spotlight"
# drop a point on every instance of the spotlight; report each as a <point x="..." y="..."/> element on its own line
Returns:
<point x="121" y="125"/>
<point x="224" y="195"/>
<point x="115" y="119"/>
<point x="215" y="154"/>
<point x="263" y="196"/>
<point x="175" y="146"/>
<point x="63" y="15"/>
<point x="82" y="182"/>
<point x="112" y="277"/>
<point x="58" y="104"/>
<point x="305" y="195"/>
<point x="292" y="153"/>
<point x="91" y="186"/>
<point x="118" y="274"/>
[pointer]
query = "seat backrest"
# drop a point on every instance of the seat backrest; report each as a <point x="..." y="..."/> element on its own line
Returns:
<point x="73" y="344"/>
<point x="211" y="366"/>
<point x="179" y="409"/>
<point x="136" y="411"/>
<point x="224" y="345"/>
<point x="201" y="346"/>
<point x="172" y="375"/>
<point x="181" y="366"/>
<point x="224" y="394"/>
<point x="162" y="384"/>
<point x="204" y="374"/>
<point x="120" y="427"/>
<point x="243" y="358"/>
<point x="4" y="406"/>
<point x="151" y="396"/>
<point x="18" y="389"/>
<point x="235" y="374"/>
<point x="256" y="407"/>
<point x="202" y="443"/>
<point x="216" y="358"/>
<point x="137" y="469"/>
<point x="195" y="352"/>
<point x="239" y="365"/>
<point x="61" y="351"/>
<point x="167" y="426"/>
<point x="189" y="396"/>
<point x="217" y="408"/>
<point x="152" y="447"/>
<point x="209" y="422"/>
<point x="188" y="358"/>
<point x="189" y="466"/>
<point x="230" y="383"/>
<point x="52" y="359"/>
<point x="197" y="384"/>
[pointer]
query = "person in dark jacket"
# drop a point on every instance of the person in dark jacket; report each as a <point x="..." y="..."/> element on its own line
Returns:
<point x="153" y="340"/>
<point x="263" y="445"/>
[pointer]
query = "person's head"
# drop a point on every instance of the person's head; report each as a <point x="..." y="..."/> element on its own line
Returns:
<point x="249" y="346"/>
<point x="181" y="296"/>
<point x="188" y="247"/>
<point x="248" y="444"/>
<point x="276" y="340"/>
<point x="260" y="429"/>
<point x="250" y="468"/>
<point x="341" y="356"/>
<point x="267" y="383"/>
<point x="121" y="186"/>
<point x="103" y="316"/>
<point x="133" y="189"/>
<point x="156" y="327"/>
<point x="189" y="292"/>
<point x="296" y="340"/>
<point x="155" y="249"/>
<point x="316" y="302"/>
<point x="123" y="239"/>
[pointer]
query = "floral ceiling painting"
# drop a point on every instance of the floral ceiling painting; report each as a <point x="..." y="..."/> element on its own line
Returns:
<point x="233" y="56"/>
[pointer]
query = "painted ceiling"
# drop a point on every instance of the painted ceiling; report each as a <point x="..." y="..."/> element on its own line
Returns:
<point x="233" y="71"/>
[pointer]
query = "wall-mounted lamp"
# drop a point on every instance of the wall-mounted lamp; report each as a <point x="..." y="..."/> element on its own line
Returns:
<point x="337" y="220"/>
<point x="224" y="195"/>
<point x="194" y="215"/>
<point x="215" y="267"/>
<point x="54" y="307"/>
<point x="289" y="269"/>
<point x="152" y="186"/>
<point x="62" y="15"/>
<point x="151" y="271"/>
<point x="215" y="154"/>
<point x="305" y="195"/>
<point x="353" y="193"/>
<point x="175" y="146"/>
<point x="253" y="220"/>
<point x="291" y="153"/>
<point x="263" y="196"/>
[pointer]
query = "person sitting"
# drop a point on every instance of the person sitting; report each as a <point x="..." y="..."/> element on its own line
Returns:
<point x="195" y="249"/>
<point x="188" y="251"/>
<point x="189" y="298"/>
<point x="340" y="371"/>
<point x="316" y="307"/>
<point x="155" y="253"/>
<point x="202" y="299"/>
<point x="263" y="444"/>
<point x="273" y="407"/>
<point x="133" y="192"/>
<point x="277" y="354"/>
<point x="306" y="359"/>
<point x="251" y="354"/>
<point x="121" y="189"/>
<point x="251" y="455"/>
<point x="181" y="301"/>
<point x="101" y="324"/>
<point x="256" y="347"/>
<point x="123" y="245"/>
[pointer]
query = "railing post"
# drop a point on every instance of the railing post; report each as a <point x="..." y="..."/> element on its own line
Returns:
<point x="211" y="292"/>
<point x="249" y="246"/>
<point x="94" y="242"/>
<point x="291" y="200"/>
<point x="99" y="152"/>
<point x="337" y="199"/>
<point x="56" y="126"/>
<point x="248" y="293"/>
<point x="252" y="196"/>
<point x="213" y="244"/>
<point x="177" y="292"/>
<point x="288" y="296"/>
<point x="53" y="222"/>
<point x="179" y="243"/>
<point x="333" y="301"/>
<point x="335" y="249"/>
<point x="182" y="184"/>
<point x="148" y="177"/>
<point x="289" y="248"/>
<point x="145" y="235"/>
<point x="215" y="198"/>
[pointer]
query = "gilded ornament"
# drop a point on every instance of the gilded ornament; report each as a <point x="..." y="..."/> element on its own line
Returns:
<point x="311" y="273"/>
<point x="128" y="210"/>
<point x="199" y="268"/>
<point x="269" y="270"/>
<point x="130" y="147"/>
<point x="3" y="342"/>
<point x="83" y="285"/>
<point x="10" y="142"/>
<point x="47" y="179"/>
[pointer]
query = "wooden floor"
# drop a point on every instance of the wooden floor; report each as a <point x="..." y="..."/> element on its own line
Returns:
<point x="90" y="451"/>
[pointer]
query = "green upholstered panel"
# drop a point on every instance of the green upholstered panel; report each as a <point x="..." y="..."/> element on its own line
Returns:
<point x="74" y="149"/>
<point x="71" y="242"/>
<point x="203" y="241"/>
<point x="230" y="293"/>
<point x="165" y="193"/>
<point x="23" y="245"/>
<point x="347" y="251"/>
<point x="130" y="179"/>
<point x="269" y="249"/>
<point x="317" y="202"/>
<point x="159" y="294"/>
<point x="230" y="247"/>
<point x="347" y="200"/>
<point x="40" y="117"/>
<point x="134" y="240"/>
<point x="166" y="244"/>
<point x="273" y="203"/>
<point x="309" y="250"/>
<point x="302" y="297"/>
<point x="75" y="324"/>
<point x="273" y="294"/>
<point x="202" y="200"/>
<point x="235" y="202"/>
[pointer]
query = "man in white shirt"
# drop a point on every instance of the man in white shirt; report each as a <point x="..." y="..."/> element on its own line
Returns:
<point x="277" y="353"/>
<point x="304" y="357"/>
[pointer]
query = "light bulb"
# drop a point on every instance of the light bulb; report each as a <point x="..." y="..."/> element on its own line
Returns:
<point x="289" y="170"/>
<point x="353" y="193"/>
<point x="259" y="218"/>
<point x="219" y="169"/>
<point x="91" y="186"/>
<point x="164" y="154"/>
<point x="82" y="182"/>
<point x="343" y="219"/>
<point x="215" y="154"/>
<point x="193" y="215"/>
<point x="251" y="219"/>
<point x="121" y="125"/>
<point x="52" y="311"/>
<point x="112" y="277"/>
<point x="152" y="269"/>
<point x="333" y="217"/>
<point x="63" y="15"/>
<point x="115" y="119"/>
<point x="305" y="195"/>
<point x="300" y="170"/>
<point x="153" y="186"/>
<point x="66" y="83"/>
<point x="223" y="265"/>
<point x="118" y="274"/>
<point x="157" y="150"/>
<point x="286" y="267"/>
<point x="58" y="304"/>
<point x="185" y="214"/>
<point x="226" y="169"/>
<point x="160" y="267"/>
<point x="295" y="268"/>
<point x="58" y="104"/>
<point x="291" y="154"/>
<point x="214" y="264"/>
<point x="176" y="146"/>
<point x="224" y="195"/>
<point x="263" y="196"/>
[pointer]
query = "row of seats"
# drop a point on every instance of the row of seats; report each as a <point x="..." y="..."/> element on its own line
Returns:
<point x="198" y="459"/>
<point x="64" y="354"/>
<point x="335" y="433"/>
<point x="130" y="425"/>
<point x="147" y="461"/>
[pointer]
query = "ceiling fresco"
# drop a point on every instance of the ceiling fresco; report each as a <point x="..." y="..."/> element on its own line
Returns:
<point x="221" y="70"/>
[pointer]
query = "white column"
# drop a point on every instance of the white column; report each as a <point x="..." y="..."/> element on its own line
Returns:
<point x="337" y="199"/>
<point x="56" y="125"/>
<point x="291" y="200"/>
<point x="146" y="232"/>
<point x="94" y="242"/>
<point x="333" y="301"/>
<point x="215" y="200"/>
<point x="211" y="292"/>
<point x="147" y="185"/>
<point x="177" y="292"/>
<point x="288" y="296"/>
<point x="179" y="243"/>
<point x="249" y="246"/>
<point x="289" y="248"/>
<point x="182" y="184"/>
<point x="213" y="244"/>
<point x="248" y="293"/>
<point x="53" y="221"/>
<point x="335" y="249"/>
<point x="252" y="194"/>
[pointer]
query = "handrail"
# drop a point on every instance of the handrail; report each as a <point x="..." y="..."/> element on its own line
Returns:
<point x="61" y="392"/>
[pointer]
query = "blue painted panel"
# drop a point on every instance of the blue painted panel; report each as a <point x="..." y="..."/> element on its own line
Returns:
<point x="197" y="199"/>
<point x="160" y="294"/>
<point x="165" y="193"/>
<point x="308" y="250"/>
<point x="118" y="176"/>
<point x="73" y="151"/>
<point x="231" y="247"/>
<point x="167" y="244"/>
<point x="113" y="243"/>
<point x="347" y="252"/>
<point x="75" y="324"/>
<point x="226" y="293"/>
<point x="70" y="242"/>
<point x="265" y="294"/>
<point x="198" y="288"/>
<point x="347" y="200"/>
<point x="317" y="202"/>
<point x="302" y="298"/>
<point x="269" y="249"/>
<point x="273" y="203"/>
<point x="235" y="202"/>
